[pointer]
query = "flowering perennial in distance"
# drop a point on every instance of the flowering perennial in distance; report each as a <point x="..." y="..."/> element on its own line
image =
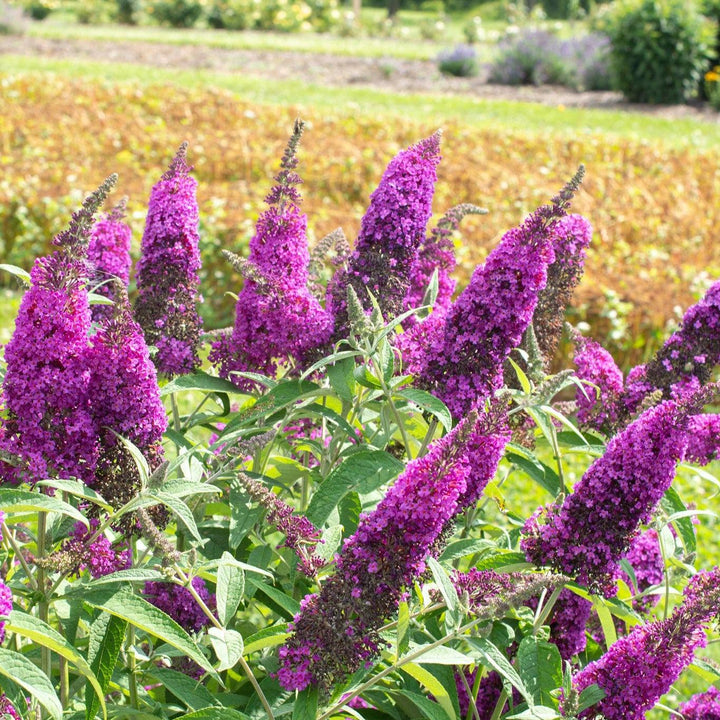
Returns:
<point x="277" y="317"/>
<point x="335" y="632"/>
<point x="587" y="535"/>
<point x="463" y="364"/>
<point x="640" y="667"/>
<point x="108" y="256"/>
<point x="391" y="232"/>
<point x="167" y="272"/>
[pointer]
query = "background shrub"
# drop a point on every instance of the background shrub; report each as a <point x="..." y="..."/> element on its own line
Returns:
<point x="659" y="50"/>
<point x="461" y="61"/>
<point x="176" y="13"/>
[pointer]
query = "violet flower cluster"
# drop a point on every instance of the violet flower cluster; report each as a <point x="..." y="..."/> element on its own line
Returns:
<point x="97" y="555"/>
<point x="277" y="318"/>
<point x="703" y="706"/>
<point x="586" y="536"/>
<point x="336" y="631"/>
<point x="177" y="602"/>
<point x="645" y="557"/>
<point x="391" y="232"/>
<point x="641" y="667"/>
<point x="49" y="426"/>
<point x="167" y="272"/>
<point x="125" y="400"/>
<point x="108" y="256"/>
<point x="7" y="709"/>
<point x="568" y="621"/>
<point x="463" y="364"/>
<point x="703" y="438"/>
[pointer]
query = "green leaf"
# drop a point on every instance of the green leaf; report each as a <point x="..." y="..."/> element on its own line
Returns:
<point x="363" y="471"/>
<point x="95" y="299"/>
<point x="506" y="560"/>
<point x="243" y="515"/>
<point x="447" y="589"/>
<point x="106" y="638"/>
<point x="672" y="503"/>
<point x="431" y="710"/>
<point x="78" y="489"/>
<point x="139" y="612"/>
<point x="18" y="272"/>
<point x="288" y="605"/>
<point x="606" y="621"/>
<point x="230" y="588"/>
<point x="181" y="511"/>
<point x="306" y="705"/>
<point x="433" y="685"/>
<point x="15" y="500"/>
<point x="214" y="713"/>
<point x="537" y="712"/>
<point x="521" y="376"/>
<point x="200" y="380"/>
<point x="340" y="375"/>
<point x="542" y="474"/>
<point x="41" y="633"/>
<point x="590" y="696"/>
<point x="707" y="672"/>
<point x="430" y="403"/>
<point x="188" y="691"/>
<point x="20" y="670"/>
<point x="464" y="547"/>
<point x="494" y="658"/>
<point x="403" y="625"/>
<point x="267" y="637"/>
<point x="540" y="666"/>
<point x="442" y="655"/>
<point x="129" y="575"/>
<point x="228" y="646"/>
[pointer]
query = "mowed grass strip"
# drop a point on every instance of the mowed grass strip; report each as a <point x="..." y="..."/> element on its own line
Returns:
<point x="655" y="205"/>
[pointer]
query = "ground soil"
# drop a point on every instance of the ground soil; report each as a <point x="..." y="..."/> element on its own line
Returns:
<point x="388" y="74"/>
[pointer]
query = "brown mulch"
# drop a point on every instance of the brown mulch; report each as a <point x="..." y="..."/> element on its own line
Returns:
<point x="387" y="74"/>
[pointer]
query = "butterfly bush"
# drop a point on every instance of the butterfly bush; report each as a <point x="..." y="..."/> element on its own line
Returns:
<point x="108" y="256"/>
<point x="277" y="318"/>
<point x="167" y="271"/>
<point x="179" y="603"/>
<point x="335" y="632"/>
<point x="703" y="706"/>
<point x="463" y="363"/>
<point x="391" y="232"/>
<point x="640" y="667"/>
<point x="586" y="536"/>
<point x="88" y="550"/>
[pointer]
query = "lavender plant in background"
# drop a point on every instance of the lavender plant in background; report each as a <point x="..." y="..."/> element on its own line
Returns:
<point x="167" y="272"/>
<point x="641" y="667"/>
<point x="586" y="536"/>
<point x="537" y="57"/>
<point x="461" y="61"/>
<point x="108" y="256"/>
<point x="277" y="317"/>
<point x="463" y="363"/>
<point x="391" y="232"/>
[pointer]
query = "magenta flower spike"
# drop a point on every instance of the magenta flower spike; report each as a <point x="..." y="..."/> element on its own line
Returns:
<point x="277" y="317"/>
<point x="109" y="256"/>
<point x="125" y="399"/>
<point x="49" y="426"/>
<point x="640" y="667"/>
<point x="167" y="272"/>
<point x="335" y="632"/>
<point x="391" y="232"/>
<point x="178" y="602"/>
<point x="463" y="364"/>
<point x="704" y="438"/>
<point x="587" y="535"/>
<point x="703" y="706"/>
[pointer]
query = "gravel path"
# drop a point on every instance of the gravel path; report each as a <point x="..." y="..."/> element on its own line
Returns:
<point x="388" y="74"/>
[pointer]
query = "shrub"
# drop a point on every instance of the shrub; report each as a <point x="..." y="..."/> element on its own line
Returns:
<point x="659" y="50"/>
<point x="712" y="86"/>
<point x="176" y="13"/>
<point x="536" y="57"/>
<point x="126" y="11"/>
<point x="12" y="21"/>
<point x="461" y="61"/>
<point x="278" y="15"/>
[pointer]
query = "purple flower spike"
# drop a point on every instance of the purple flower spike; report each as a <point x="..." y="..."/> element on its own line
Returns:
<point x="109" y="256"/>
<point x="167" y="272"/>
<point x="646" y="559"/>
<point x="586" y="536"/>
<point x="641" y="667"/>
<point x="704" y="706"/>
<point x="177" y="602"/>
<point x="597" y="408"/>
<point x="704" y="439"/>
<point x="391" y="232"/>
<point x="49" y="426"/>
<point x="125" y="400"/>
<point x="277" y="316"/>
<point x="5" y="606"/>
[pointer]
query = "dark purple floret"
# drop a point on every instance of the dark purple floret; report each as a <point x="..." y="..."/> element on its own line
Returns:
<point x="167" y="272"/>
<point x="587" y="535"/>
<point x="109" y="257"/>
<point x="49" y="426"/>
<point x="391" y="233"/>
<point x="336" y="631"/>
<point x="277" y="317"/>
<point x="704" y="439"/>
<point x="641" y="667"/>
<point x="177" y="602"/>
<point x="464" y="364"/>
<point x="99" y="556"/>
<point x="126" y="400"/>
<point x="646" y="559"/>
<point x="598" y="407"/>
<point x="703" y="706"/>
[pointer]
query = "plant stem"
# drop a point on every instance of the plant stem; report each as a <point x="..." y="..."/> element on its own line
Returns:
<point x="428" y="437"/>
<point x="64" y="682"/>
<point x="43" y="606"/>
<point x="497" y="712"/>
<point x="10" y="540"/>
<point x="175" y="413"/>
<point x="543" y="615"/>
<point x="132" y="684"/>
<point x="472" y="707"/>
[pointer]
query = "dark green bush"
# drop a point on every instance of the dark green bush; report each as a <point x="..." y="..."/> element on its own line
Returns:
<point x="126" y="11"/>
<point x="659" y="50"/>
<point x="176" y="13"/>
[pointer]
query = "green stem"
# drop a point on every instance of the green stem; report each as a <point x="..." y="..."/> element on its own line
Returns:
<point x="666" y="576"/>
<point x="497" y="712"/>
<point x="472" y="707"/>
<point x="543" y="615"/>
<point x="558" y="460"/>
<point x="64" y="682"/>
<point x="43" y="606"/>
<point x="132" y="680"/>
<point x="10" y="540"/>
<point x="175" y="413"/>
<point x="428" y="437"/>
